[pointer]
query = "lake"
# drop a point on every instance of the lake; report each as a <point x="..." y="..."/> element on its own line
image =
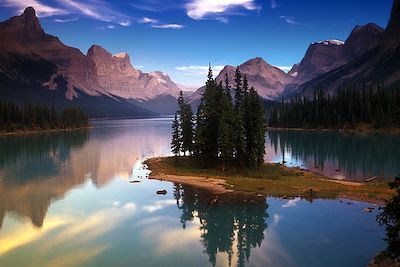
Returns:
<point x="66" y="200"/>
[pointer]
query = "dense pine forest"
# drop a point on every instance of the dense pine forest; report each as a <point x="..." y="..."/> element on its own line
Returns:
<point x="377" y="107"/>
<point x="29" y="117"/>
<point x="225" y="132"/>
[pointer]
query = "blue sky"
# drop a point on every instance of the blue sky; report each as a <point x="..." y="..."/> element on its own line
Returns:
<point x="180" y="37"/>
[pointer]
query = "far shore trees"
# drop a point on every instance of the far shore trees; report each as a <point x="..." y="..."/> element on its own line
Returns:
<point x="372" y="105"/>
<point x="38" y="117"/>
<point x="227" y="132"/>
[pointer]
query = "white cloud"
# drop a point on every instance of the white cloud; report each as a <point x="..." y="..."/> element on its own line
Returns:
<point x="203" y="9"/>
<point x="198" y="70"/>
<point x="284" y="68"/>
<point x="65" y="20"/>
<point x="168" y="26"/>
<point x="273" y="4"/>
<point x="148" y="20"/>
<point x="42" y="10"/>
<point x="110" y="26"/>
<point x="125" y="23"/>
<point x="288" y="19"/>
<point x="155" y="23"/>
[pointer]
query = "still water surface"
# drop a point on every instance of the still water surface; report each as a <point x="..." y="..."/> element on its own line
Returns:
<point x="66" y="200"/>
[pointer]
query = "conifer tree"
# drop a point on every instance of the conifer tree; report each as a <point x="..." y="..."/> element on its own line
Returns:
<point x="176" y="143"/>
<point x="240" y="134"/>
<point x="226" y="136"/>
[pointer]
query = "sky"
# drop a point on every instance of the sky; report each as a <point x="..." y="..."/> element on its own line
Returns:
<point x="181" y="37"/>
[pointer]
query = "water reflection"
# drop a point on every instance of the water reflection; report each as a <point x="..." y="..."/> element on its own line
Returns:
<point x="339" y="155"/>
<point x="38" y="169"/>
<point x="227" y="224"/>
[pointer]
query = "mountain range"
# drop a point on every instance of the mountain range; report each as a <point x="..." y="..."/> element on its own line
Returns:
<point x="38" y="66"/>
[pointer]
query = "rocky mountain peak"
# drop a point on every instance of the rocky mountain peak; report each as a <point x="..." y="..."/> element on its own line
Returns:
<point x="26" y="25"/>
<point x="98" y="51"/>
<point x="362" y="39"/>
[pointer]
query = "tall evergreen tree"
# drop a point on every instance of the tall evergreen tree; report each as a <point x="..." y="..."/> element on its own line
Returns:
<point x="226" y="135"/>
<point x="176" y="137"/>
<point x="240" y="131"/>
<point x="187" y="129"/>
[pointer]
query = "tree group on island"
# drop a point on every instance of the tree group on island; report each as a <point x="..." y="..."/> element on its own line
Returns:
<point x="225" y="132"/>
<point x="38" y="117"/>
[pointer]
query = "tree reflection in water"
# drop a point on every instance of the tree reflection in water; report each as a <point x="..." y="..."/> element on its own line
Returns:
<point x="229" y="223"/>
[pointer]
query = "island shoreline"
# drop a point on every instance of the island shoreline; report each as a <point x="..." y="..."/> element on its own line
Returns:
<point x="305" y="184"/>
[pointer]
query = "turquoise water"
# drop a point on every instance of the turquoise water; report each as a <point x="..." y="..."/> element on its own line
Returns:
<point x="66" y="200"/>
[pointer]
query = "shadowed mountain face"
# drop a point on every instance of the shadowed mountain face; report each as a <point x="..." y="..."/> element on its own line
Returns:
<point x="322" y="57"/>
<point x="379" y="64"/>
<point x="30" y="57"/>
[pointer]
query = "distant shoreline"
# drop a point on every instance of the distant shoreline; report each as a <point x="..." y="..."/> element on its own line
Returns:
<point x="344" y="130"/>
<point x="30" y="132"/>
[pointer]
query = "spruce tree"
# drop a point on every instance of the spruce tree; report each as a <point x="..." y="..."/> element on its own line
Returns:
<point x="176" y="143"/>
<point x="240" y="134"/>
<point x="226" y="136"/>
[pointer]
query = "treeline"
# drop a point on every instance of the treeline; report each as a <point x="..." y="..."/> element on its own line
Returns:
<point x="348" y="108"/>
<point x="30" y="117"/>
<point x="225" y="131"/>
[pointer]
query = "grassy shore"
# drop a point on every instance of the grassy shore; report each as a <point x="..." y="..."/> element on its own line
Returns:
<point x="270" y="180"/>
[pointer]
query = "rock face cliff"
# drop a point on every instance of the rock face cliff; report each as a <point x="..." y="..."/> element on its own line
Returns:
<point x="378" y="64"/>
<point x="117" y="76"/>
<point x="97" y="74"/>
<point x="322" y="57"/>
<point x="23" y="35"/>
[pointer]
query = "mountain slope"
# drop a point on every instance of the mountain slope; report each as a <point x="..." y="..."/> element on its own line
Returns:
<point x="381" y="64"/>
<point x="269" y="81"/>
<point x="322" y="57"/>
<point x="98" y="77"/>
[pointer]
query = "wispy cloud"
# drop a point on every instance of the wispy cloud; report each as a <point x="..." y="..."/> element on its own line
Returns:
<point x="65" y="20"/>
<point x="211" y="9"/>
<point x="198" y="70"/>
<point x="288" y="19"/>
<point x="292" y="21"/>
<point x="95" y="9"/>
<point x="125" y="23"/>
<point x="155" y="23"/>
<point x="148" y="20"/>
<point x="168" y="26"/>
<point x="273" y="4"/>
<point x="42" y="10"/>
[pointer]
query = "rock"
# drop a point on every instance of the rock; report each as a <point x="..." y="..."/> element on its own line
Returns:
<point x="369" y="209"/>
<point x="161" y="192"/>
